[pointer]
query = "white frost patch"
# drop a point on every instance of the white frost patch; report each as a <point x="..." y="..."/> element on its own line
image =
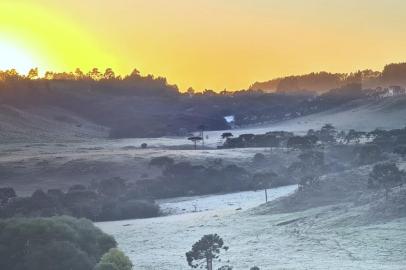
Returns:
<point x="238" y="200"/>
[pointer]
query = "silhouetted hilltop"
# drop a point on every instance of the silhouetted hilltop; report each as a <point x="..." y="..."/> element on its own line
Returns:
<point x="97" y="104"/>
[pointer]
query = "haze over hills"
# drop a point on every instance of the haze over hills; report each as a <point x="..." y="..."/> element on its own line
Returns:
<point x="320" y="82"/>
<point x="76" y="106"/>
<point x="299" y="163"/>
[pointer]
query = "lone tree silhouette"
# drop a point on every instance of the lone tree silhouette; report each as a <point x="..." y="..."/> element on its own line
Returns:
<point x="205" y="251"/>
<point x="226" y="135"/>
<point x="195" y="139"/>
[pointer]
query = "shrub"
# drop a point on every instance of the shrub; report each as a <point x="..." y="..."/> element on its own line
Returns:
<point x="6" y="194"/>
<point x="259" y="158"/>
<point x="367" y="154"/>
<point x="400" y="150"/>
<point x="111" y="187"/>
<point x="114" y="259"/>
<point x="386" y="176"/>
<point x="138" y="209"/>
<point x="161" y="161"/>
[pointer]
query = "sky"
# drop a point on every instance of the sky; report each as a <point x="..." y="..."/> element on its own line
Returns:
<point x="204" y="44"/>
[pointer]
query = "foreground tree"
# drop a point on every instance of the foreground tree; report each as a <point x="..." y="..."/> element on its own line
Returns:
<point x="386" y="176"/>
<point x="205" y="251"/>
<point x="51" y="243"/>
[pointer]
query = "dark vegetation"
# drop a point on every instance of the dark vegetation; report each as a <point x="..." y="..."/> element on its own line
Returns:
<point x="347" y="167"/>
<point x="376" y="141"/>
<point x="61" y="243"/>
<point x="183" y="178"/>
<point x="108" y="199"/>
<point x="328" y="151"/>
<point x="386" y="176"/>
<point x="145" y="106"/>
<point x="315" y="154"/>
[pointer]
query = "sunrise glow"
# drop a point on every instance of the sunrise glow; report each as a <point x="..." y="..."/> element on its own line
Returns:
<point x="12" y="56"/>
<point x="203" y="43"/>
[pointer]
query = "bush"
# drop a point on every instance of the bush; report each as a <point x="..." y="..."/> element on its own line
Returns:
<point x="161" y="161"/>
<point x="6" y="194"/>
<point x="138" y="209"/>
<point x="367" y="154"/>
<point x="386" y="176"/>
<point x="44" y="243"/>
<point x="400" y="150"/>
<point x="114" y="259"/>
<point x="111" y="187"/>
<point x="128" y="209"/>
<point x="259" y="158"/>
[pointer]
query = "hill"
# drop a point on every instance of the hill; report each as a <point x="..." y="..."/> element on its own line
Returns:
<point x="321" y="82"/>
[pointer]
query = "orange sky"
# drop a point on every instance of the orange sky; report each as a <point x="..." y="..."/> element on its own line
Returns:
<point x="212" y="44"/>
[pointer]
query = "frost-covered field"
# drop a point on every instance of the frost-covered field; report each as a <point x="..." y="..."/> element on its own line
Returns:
<point x="319" y="238"/>
<point x="238" y="200"/>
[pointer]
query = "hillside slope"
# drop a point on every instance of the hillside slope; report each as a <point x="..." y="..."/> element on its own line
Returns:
<point x="45" y="124"/>
<point x="363" y="114"/>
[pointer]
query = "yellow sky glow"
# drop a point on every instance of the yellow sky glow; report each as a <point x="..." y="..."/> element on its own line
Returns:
<point x="212" y="44"/>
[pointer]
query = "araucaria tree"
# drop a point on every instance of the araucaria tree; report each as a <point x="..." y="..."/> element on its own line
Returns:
<point x="195" y="139"/>
<point x="205" y="251"/>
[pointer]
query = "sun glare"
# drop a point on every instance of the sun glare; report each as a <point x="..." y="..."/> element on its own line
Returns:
<point x="14" y="56"/>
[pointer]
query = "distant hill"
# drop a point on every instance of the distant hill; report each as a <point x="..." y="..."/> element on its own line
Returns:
<point x="392" y="74"/>
<point x="72" y="107"/>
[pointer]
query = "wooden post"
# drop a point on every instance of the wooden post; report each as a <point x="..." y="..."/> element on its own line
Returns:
<point x="266" y="195"/>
